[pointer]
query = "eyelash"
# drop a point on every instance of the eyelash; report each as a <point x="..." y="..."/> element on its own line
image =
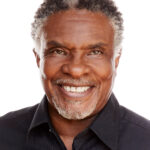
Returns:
<point x="98" y="52"/>
<point x="57" y="51"/>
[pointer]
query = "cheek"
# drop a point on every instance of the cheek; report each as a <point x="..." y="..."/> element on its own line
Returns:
<point x="103" y="70"/>
<point x="49" y="68"/>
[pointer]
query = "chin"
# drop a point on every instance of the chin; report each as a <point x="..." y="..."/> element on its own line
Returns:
<point x="74" y="110"/>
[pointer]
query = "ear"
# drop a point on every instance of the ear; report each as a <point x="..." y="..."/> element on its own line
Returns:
<point x="37" y="58"/>
<point x="117" y="58"/>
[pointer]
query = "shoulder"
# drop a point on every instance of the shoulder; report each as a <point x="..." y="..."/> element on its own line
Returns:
<point x="135" y="119"/>
<point x="15" y="124"/>
<point x="134" y="129"/>
<point x="18" y="117"/>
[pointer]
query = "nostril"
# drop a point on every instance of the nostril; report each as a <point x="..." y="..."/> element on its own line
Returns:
<point x="65" y="69"/>
<point x="75" y="70"/>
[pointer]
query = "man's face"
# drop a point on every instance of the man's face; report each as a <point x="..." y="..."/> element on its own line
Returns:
<point x="76" y="61"/>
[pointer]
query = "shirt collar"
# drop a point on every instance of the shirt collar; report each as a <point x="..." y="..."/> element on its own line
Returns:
<point x="106" y="125"/>
<point x="41" y="115"/>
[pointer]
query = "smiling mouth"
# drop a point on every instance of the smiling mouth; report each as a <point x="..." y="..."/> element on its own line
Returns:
<point x="76" y="91"/>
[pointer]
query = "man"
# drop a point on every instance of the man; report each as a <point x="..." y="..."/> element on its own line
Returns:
<point x="77" y="50"/>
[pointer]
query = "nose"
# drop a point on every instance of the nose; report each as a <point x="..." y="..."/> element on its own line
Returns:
<point x="76" y="68"/>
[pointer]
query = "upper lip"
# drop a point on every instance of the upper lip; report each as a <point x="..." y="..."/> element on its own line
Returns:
<point x="75" y="82"/>
<point x="75" y="85"/>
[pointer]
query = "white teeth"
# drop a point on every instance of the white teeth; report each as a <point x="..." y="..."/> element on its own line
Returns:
<point x="79" y="89"/>
<point x="73" y="89"/>
<point x="67" y="88"/>
<point x="76" y="89"/>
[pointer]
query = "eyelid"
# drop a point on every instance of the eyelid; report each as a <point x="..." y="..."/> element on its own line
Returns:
<point x="96" y="49"/>
<point x="54" y="49"/>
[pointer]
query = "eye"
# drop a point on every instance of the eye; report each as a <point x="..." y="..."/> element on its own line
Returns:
<point x="96" y="52"/>
<point x="58" y="51"/>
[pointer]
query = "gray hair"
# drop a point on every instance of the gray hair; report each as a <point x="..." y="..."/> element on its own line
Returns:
<point x="107" y="7"/>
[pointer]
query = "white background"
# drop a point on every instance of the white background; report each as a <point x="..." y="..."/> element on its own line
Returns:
<point x="20" y="84"/>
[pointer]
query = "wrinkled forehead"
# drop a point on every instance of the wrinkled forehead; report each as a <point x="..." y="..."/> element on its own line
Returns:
<point x="78" y="25"/>
<point x="77" y="16"/>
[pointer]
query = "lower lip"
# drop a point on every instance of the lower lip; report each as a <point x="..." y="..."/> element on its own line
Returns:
<point x="75" y="94"/>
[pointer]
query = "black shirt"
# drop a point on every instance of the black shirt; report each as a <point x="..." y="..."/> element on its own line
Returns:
<point x="115" y="128"/>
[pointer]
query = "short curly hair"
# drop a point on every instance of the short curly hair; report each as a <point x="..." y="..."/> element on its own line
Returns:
<point x="107" y="7"/>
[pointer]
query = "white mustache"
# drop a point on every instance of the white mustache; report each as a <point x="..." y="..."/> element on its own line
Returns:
<point x="76" y="82"/>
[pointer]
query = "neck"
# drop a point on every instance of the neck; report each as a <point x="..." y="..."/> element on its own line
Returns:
<point x="68" y="129"/>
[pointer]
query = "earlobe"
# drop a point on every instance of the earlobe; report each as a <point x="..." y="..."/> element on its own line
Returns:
<point x="118" y="58"/>
<point x="37" y="57"/>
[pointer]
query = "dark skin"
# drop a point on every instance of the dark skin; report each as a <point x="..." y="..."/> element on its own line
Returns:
<point x="76" y="44"/>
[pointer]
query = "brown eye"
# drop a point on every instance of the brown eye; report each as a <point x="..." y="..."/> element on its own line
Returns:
<point x="95" y="52"/>
<point x="58" y="51"/>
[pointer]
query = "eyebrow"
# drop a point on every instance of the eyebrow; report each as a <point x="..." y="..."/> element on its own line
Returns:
<point x="96" y="45"/>
<point x="55" y="44"/>
<point x="91" y="46"/>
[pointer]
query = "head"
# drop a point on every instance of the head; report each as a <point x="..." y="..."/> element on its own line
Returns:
<point x="77" y="48"/>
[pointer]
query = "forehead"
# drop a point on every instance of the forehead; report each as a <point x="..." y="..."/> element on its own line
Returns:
<point x="78" y="27"/>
